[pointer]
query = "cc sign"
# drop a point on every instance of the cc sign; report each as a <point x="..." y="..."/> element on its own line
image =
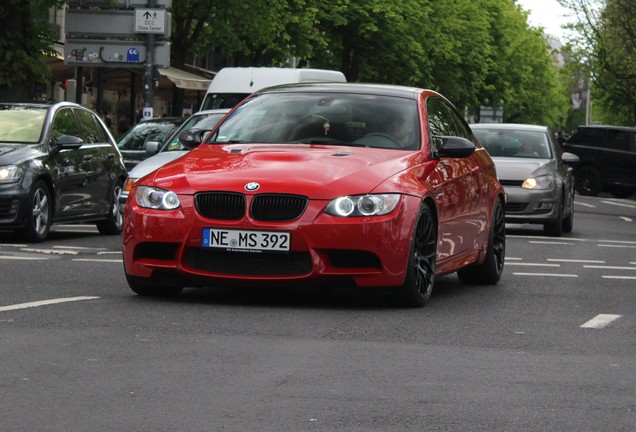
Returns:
<point x="132" y="56"/>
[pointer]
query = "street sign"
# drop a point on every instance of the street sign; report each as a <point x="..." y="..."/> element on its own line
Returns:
<point x="113" y="53"/>
<point x="118" y="3"/>
<point x="81" y="23"/>
<point x="151" y="21"/>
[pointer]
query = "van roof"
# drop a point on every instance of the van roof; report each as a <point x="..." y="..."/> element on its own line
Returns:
<point x="251" y="79"/>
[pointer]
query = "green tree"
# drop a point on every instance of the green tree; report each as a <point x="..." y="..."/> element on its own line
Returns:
<point x="605" y="48"/>
<point x="25" y="43"/>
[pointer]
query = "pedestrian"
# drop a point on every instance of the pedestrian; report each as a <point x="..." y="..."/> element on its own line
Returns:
<point x="107" y="120"/>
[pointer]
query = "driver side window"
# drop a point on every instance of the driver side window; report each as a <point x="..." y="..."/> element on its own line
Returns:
<point x="440" y="122"/>
<point x="65" y="123"/>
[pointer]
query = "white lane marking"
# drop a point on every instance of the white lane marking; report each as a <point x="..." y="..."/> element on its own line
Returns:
<point x="23" y="258"/>
<point x="620" y="277"/>
<point x="45" y="302"/>
<point x="551" y="242"/>
<point x="109" y="252"/>
<point x="616" y="246"/>
<point x="600" y="321"/>
<point x="78" y="247"/>
<point x="617" y="241"/>
<point x="626" y="219"/>
<point x="585" y="204"/>
<point x="98" y="260"/>
<point x="513" y="259"/>
<point x="620" y="204"/>
<point x="544" y="238"/>
<point x="51" y="251"/>
<point x="547" y="274"/>
<point x="534" y="264"/>
<point x="12" y="245"/>
<point x="609" y="267"/>
<point x="575" y="261"/>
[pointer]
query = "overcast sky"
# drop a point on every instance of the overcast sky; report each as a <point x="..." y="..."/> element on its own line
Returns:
<point x="548" y="14"/>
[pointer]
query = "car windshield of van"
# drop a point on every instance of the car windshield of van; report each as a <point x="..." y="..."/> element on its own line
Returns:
<point x="352" y="119"/>
<point x="21" y="125"/>
<point x="222" y="100"/>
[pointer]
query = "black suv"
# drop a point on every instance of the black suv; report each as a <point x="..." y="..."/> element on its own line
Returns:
<point x="58" y="163"/>
<point x="607" y="159"/>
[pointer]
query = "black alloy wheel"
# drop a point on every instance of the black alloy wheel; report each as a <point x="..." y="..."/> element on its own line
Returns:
<point x="114" y="222"/>
<point x="420" y="272"/>
<point x="40" y="214"/>
<point x="588" y="181"/>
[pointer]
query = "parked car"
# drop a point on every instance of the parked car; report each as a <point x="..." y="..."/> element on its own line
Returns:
<point x="58" y="163"/>
<point x="536" y="175"/>
<point x="313" y="183"/>
<point x="132" y="144"/>
<point x="608" y="159"/>
<point x="202" y="121"/>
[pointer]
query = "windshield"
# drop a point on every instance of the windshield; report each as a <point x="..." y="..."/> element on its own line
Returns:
<point x="197" y="121"/>
<point x="324" y="118"/>
<point x="21" y="124"/>
<point x="135" y="138"/>
<point x="222" y="100"/>
<point x="515" y="143"/>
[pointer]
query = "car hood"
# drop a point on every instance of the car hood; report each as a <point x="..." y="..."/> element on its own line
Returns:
<point x="15" y="154"/>
<point x="317" y="171"/>
<point x="521" y="169"/>
<point x="147" y="166"/>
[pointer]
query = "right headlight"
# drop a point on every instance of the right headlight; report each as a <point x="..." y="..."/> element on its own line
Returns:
<point x="10" y="173"/>
<point x="363" y="205"/>
<point x="540" y="182"/>
<point x="156" y="198"/>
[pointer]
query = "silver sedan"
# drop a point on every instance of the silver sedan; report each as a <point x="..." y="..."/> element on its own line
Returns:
<point x="536" y="175"/>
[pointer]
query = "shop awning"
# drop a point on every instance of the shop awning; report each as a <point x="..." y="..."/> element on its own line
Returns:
<point x="185" y="80"/>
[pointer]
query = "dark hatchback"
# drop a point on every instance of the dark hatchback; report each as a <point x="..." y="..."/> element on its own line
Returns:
<point x="607" y="159"/>
<point x="132" y="144"/>
<point x="58" y="163"/>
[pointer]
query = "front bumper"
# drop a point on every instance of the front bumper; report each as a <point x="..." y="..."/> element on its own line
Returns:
<point x="532" y="206"/>
<point x="365" y="251"/>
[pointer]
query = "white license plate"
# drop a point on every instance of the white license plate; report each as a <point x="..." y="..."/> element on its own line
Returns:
<point x="244" y="240"/>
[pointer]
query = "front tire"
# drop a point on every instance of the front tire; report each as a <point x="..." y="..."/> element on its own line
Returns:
<point x="489" y="272"/>
<point x="114" y="222"/>
<point x="40" y="214"/>
<point x="148" y="288"/>
<point x="420" y="271"/>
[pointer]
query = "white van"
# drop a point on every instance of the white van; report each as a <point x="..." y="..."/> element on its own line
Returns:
<point x="233" y="84"/>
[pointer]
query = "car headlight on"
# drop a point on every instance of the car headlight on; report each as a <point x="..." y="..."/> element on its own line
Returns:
<point x="363" y="205"/>
<point x="540" y="182"/>
<point x="155" y="198"/>
<point x="10" y="173"/>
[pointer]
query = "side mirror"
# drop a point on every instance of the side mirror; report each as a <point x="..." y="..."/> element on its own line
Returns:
<point x="569" y="158"/>
<point x="192" y="138"/>
<point x="455" y="147"/>
<point x="152" y="147"/>
<point x="68" y="142"/>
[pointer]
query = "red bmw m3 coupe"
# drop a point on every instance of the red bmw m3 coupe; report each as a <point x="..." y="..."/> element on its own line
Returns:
<point x="369" y="185"/>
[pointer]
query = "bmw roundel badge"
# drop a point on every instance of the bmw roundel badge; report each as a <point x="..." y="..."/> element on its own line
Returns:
<point x="252" y="186"/>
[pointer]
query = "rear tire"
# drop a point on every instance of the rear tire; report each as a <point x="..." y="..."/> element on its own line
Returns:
<point x="114" y="222"/>
<point x="40" y="214"/>
<point x="420" y="270"/>
<point x="588" y="180"/>
<point x="489" y="272"/>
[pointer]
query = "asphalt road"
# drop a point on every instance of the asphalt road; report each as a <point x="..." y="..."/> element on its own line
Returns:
<point x="551" y="348"/>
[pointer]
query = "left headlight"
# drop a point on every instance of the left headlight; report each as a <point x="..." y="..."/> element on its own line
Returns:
<point x="540" y="182"/>
<point x="363" y="205"/>
<point x="10" y="173"/>
<point x="156" y="198"/>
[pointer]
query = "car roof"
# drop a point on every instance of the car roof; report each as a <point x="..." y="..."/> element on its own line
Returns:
<point x="338" y="87"/>
<point x="620" y="128"/>
<point x="164" y="120"/>
<point x="509" y="126"/>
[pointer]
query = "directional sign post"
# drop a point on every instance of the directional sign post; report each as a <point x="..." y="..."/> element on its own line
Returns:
<point x="150" y="21"/>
